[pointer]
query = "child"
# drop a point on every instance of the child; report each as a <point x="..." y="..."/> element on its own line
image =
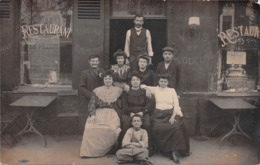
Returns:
<point x="135" y="144"/>
<point x="120" y="70"/>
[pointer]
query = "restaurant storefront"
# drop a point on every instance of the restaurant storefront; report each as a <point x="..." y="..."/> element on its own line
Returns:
<point x="46" y="44"/>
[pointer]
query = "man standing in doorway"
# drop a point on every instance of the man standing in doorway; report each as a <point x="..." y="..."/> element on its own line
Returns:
<point x="138" y="41"/>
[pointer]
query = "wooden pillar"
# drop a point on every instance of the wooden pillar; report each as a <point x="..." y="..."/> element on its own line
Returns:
<point x="258" y="77"/>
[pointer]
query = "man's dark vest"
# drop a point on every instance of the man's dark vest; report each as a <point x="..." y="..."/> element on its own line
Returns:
<point x="138" y="43"/>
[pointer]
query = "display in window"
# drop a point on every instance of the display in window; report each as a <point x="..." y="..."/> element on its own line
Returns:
<point x="239" y="71"/>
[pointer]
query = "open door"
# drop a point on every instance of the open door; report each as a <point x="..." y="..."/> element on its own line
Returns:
<point x="119" y="27"/>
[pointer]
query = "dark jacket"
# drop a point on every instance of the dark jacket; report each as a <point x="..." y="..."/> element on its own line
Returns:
<point x="89" y="80"/>
<point x="136" y="101"/>
<point x="148" y="77"/>
<point x="173" y="72"/>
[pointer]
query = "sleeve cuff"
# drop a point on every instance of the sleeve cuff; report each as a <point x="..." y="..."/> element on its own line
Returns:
<point x="178" y="111"/>
<point x="151" y="54"/>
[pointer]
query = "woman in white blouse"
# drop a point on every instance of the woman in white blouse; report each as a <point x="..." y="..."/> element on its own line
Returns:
<point x="168" y="129"/>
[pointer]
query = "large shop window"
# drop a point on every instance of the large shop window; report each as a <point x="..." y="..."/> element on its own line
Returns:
<point x="46" y="42"/>
<point x="239" y="42"/>
<point x="149" y="8"/>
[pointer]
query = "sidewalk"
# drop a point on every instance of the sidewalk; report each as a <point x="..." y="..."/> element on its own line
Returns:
<point x="31" y="150"/>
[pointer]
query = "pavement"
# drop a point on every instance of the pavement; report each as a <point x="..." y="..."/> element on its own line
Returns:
<point x="65" y="151"/>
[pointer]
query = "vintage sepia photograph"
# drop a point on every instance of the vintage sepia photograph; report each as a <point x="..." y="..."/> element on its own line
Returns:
<point x="149" y="82"/>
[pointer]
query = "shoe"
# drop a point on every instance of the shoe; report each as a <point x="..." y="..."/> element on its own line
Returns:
<point x="175" y="158"/>
<point x="146" y="162"/>
<point x="184" y="154"/>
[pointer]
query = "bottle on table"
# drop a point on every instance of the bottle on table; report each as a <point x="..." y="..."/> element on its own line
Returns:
<point x="225" y="84"/>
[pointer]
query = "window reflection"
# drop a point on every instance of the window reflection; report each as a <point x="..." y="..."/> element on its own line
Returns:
<point x="46" y="42"/>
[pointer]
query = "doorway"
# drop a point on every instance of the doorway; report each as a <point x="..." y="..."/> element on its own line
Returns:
<point x="119" y="27"/>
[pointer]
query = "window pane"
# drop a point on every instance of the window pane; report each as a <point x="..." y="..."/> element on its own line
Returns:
<point x="227" y="23"/>
<point x="46" y="42"/>
<point x="131" y="7"/>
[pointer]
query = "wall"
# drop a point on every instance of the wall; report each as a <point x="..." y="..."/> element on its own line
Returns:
<point x="9" y="47"/>
<point x="196" y="49"/>
<point x="88" y="38"/>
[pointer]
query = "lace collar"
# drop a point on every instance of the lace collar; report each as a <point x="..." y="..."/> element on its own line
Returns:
<point x="108" y="95"/>
<point x="116" y="67"/>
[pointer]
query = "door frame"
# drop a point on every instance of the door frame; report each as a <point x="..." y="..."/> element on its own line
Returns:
<point x="108" y="17"/>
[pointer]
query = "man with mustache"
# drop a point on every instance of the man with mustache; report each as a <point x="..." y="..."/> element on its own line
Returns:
<point x="169" y="66"/>
<point x="138" y="41"/>
<point x="90" y="79"/>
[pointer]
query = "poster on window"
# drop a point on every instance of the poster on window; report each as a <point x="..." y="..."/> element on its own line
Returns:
<point x="44" y="57"/>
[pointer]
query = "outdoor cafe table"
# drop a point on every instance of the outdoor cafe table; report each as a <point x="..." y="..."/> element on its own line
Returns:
<point x="235" y="106"/>
<point x="30" y="104"/>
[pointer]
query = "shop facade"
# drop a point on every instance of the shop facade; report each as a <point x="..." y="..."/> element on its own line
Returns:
<point x="46" y="44"/>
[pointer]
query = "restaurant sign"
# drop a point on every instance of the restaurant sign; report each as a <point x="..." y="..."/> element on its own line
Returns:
<point x="239" y="34"/>
<point x="31" y="31"/>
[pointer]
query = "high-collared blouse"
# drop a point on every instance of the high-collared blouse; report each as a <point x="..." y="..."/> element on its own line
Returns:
<point x="166" y="98"/>
<point x="120" y="73"/>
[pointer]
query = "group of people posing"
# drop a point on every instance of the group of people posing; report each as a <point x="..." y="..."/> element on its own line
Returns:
<point x="129" y="107"/>
<point x="136" y="110"/>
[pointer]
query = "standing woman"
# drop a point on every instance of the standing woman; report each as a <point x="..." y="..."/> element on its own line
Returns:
<point x="168" y="129"/>
<point x="103" y="124"/>
<point x="148" y="76"/>
<point x="120" y="70"/>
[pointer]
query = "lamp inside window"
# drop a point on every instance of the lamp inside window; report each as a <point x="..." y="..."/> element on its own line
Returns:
<point x="194" y="20"/>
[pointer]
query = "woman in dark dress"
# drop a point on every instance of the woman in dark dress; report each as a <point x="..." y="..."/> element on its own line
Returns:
<point x="168" y="129"/>
<point x="134" y="102"/>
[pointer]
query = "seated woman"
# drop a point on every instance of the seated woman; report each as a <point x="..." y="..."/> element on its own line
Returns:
<point x="120" y="70"/>
<point x="135" y="102"/>
<point x="168" y="129"/>
<point x="103" y="124"/>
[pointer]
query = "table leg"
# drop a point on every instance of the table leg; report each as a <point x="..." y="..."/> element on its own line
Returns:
<point x="30" y="128"/>
<point x="241" y="132"/>
<point x="236" y="128"/>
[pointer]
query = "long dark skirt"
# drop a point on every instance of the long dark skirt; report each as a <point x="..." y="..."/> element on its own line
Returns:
<point x="169" y="137"/>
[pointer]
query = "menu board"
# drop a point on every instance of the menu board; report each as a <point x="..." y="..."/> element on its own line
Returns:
<point x="236" y="57"/>
<point x="44" y="58"/>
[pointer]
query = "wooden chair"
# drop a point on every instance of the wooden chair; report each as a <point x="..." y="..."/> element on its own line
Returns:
<point x="67" y="114"/>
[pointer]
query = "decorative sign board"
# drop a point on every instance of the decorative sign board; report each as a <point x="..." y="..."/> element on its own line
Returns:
<point x="236" y="57"/>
